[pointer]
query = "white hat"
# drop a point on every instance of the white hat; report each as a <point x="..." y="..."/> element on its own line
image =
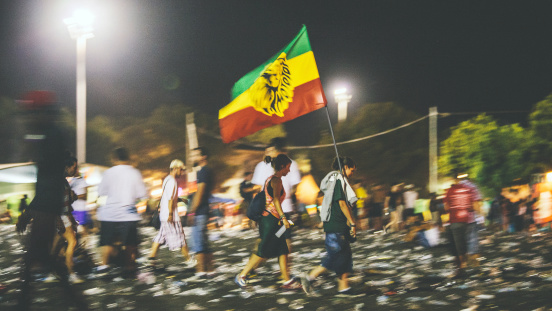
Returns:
<point x="177" y="164"/>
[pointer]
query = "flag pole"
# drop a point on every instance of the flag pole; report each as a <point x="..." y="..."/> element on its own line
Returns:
<point x="333" y="139"/>
<point x="338" y="161"/>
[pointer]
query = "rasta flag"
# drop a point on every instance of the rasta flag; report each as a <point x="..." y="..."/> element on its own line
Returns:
<point x="283" y="88"/>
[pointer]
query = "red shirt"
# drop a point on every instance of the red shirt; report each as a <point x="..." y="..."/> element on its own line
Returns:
<point x="460" y="199"/>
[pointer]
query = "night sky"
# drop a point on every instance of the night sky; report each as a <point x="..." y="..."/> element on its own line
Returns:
<point x="461" y="56"/>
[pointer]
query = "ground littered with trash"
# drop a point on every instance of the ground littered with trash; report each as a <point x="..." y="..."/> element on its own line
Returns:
<point x="515" y="273"/>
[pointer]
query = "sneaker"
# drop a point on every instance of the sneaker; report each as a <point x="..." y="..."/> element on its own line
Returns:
<point x="240" y="281"/>
<point x="190" y="263"/>
<point x="292" y="284"/>
<point x="307" y="284"/>
<point x="75" y="279"/>
<point x="460" y="274"/>
<point x="349" y="293"/>
<point x="101" y="269"/>
<point x="197" y="277"/>
<point x="50" y="278"/>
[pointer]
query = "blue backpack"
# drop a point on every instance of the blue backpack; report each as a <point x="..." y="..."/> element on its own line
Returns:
<point x="257" y="206"/>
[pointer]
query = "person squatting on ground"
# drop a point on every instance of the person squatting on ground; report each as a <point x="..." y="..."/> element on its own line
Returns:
<point x="123" y="186"/>
<point x="272" y="219"/>
<point x="171" y="231"/>
<point x="460" y="201"/>
<point x="200" y="209"/>
<point x="339" y="226"/>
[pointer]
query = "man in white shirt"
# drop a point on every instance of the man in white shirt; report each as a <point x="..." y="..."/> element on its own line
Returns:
<point x="263" y="170"/>
<point x="171" y="232"/>
<point x="123" y="186"/>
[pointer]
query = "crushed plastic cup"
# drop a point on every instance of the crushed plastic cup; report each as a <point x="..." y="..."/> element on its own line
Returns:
<point x="93" y="291"/>
<point x="297" y="304"/>
<point x="483" y="296"/>
<point x="382" y="300"/>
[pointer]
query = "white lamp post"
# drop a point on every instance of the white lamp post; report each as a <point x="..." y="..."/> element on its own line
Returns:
<point x="342" y="98"/>
<point x="80" y="28"/>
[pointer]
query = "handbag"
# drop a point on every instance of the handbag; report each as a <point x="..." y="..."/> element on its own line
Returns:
<point x="155" y="220"/>
<point x="257" y="206"/>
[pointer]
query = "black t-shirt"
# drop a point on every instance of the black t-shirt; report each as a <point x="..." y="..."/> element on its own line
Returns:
<point x="205" y="175"/>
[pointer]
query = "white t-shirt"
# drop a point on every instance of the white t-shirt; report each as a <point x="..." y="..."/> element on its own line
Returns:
<point x="170" y="191"/>
<point x="79" y="185"/>
<point x="410" y="198"/>
<point x="263" y="170"/>
<point x="123" y="187"/>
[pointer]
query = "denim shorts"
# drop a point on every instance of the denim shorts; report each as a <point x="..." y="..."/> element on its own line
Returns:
<point x="199" y="234"/>
<point x="339" y="257"/>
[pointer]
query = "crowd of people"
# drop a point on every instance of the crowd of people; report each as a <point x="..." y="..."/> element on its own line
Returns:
<point x="346" y="207"/>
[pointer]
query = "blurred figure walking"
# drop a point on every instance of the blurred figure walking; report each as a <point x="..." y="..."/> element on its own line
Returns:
<point x="45" y="142"/>
<point x="339" y="225"/>
<point x="171" y="231"/>
<point x="272" y="245"/>
<point x="200" y="208"/>
<point x="123" y="186"/>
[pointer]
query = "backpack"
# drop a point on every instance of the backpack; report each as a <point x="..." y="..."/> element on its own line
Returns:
<point x="257" y="206"/>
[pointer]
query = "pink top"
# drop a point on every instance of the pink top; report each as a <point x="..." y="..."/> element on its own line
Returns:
<point x="270" y="201"/>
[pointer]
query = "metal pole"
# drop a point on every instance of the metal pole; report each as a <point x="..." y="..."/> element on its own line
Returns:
<point x="81" y="99"/>
<point x="433" y="165"/>
<point x="333" y="139"/>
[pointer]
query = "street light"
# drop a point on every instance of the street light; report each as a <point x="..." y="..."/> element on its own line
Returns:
<point x="342" y="98"/>
<point x="80" y="27"/>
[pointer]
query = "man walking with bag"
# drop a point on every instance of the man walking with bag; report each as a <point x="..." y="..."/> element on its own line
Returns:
<point x="171" y="231"/>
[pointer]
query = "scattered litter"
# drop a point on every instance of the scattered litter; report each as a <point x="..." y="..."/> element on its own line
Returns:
<point x="485" y="296"/>
<point x="194" y="306"/>
<point x="382" y="300"/>
<point x="94" y="291"/>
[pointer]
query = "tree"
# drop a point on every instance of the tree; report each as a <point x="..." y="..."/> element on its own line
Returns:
<point x="540" y="133"/>
<point x="492" y="155"/>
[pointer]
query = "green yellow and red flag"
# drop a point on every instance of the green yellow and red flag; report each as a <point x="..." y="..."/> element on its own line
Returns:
<point x="283" y="88"/>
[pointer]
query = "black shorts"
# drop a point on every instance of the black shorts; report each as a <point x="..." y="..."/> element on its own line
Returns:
<point x="125" y="232"/>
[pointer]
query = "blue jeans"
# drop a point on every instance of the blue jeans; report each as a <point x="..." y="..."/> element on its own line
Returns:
<point x="421" y="238"/>
<point x="199" y="234"/>
<point x="339" y="256"/>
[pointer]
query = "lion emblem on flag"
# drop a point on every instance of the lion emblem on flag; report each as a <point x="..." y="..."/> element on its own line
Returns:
<point x="272" y="91"/>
